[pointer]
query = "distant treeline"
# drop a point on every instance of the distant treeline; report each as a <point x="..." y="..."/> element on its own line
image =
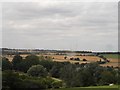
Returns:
<point x="38" y="51"/>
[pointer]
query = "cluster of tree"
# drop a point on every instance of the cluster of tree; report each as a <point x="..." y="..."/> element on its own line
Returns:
<point x="15" y="80"/>
<point x="20" y="64"/>
<point x="36" y="70"/>
<point x="89" y="75"/>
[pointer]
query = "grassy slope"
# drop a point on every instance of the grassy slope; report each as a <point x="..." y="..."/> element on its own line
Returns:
<point x="114" y="87"/>
<point x="113" y="56"/>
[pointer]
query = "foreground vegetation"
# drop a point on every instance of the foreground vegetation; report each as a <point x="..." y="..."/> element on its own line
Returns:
<point x="41" y="72"/>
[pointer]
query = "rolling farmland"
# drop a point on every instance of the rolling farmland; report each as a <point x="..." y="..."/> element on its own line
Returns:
<point x="113" y="58"/>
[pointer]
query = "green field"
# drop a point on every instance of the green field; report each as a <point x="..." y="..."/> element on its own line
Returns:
<point x="114" y="87"/>
<point x="113" y="56"/>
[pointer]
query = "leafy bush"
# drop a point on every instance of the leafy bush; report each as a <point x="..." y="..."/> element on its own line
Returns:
<point x="16" y="80"/>
<point x="11" y="79"/>
<point x="37" y="71"/>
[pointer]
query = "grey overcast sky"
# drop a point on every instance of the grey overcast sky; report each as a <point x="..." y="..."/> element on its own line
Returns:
<point x="61" y="25"/>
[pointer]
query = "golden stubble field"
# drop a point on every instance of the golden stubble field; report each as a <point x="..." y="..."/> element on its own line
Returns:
<point x="60" y="58"/>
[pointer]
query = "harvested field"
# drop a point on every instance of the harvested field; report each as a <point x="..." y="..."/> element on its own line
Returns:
<point x="60" y="58"/>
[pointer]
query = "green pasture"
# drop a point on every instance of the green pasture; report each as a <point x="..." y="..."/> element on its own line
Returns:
<point x="113" y="56"/>
<point x="114" y="87"/>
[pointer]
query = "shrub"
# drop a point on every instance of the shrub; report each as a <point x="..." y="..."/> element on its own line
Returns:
<point x="37" y="71"/>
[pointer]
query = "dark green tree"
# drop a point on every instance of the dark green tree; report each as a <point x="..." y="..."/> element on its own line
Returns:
<point x="107" y="78"/>
<point x="32" y="60"/>
<point x="67" y="73"/>
<point x="6" y="64"/>
<point x="17" y="59"/>
<point x="55" y="71"/>
<point x="48" y="64"/>
<point x="10" y="80"/>
<point x="28" y="62"/>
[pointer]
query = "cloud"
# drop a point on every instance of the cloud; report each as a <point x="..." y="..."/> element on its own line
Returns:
<point x="57" y="25"/>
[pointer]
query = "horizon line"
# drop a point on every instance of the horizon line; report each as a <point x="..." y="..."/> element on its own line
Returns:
<point x="61" y="49"/>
